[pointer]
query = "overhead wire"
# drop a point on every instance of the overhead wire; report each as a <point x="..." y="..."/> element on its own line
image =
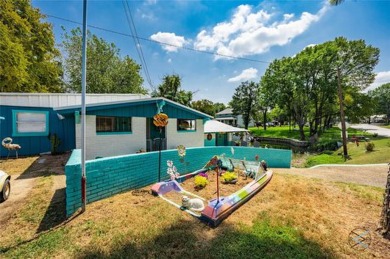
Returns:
<point x="163" y="43"/>
<point x="138" y="46"/>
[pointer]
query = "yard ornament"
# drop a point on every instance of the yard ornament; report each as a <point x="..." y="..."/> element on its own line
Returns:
<point x="7" y="143"/>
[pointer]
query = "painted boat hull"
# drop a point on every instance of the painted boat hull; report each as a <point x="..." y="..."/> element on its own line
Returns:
<point x="216" y="211"/>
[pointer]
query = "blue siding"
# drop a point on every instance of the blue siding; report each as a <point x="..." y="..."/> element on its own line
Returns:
<point x="112" y="175"/>
<point x="32" y="145"/>
<point x="140" y="109"/>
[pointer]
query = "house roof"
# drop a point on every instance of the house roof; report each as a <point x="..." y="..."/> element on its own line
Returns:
<point x="227" y="111"/>
<point x="213" y="126"/>
<point x="146" y="107"/>
<point x="226" y="118"/>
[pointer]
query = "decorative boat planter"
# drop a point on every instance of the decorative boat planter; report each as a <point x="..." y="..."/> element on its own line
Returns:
<point x="216" y="209"/>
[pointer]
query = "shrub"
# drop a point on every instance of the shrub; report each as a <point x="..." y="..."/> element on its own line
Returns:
<point x="229" y="176"/>
<point x="200" y="182"/>
<point x="370" y="146"/>
<point x="375" y="135"/>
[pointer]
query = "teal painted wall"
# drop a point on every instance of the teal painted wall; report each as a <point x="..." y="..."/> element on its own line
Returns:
<point x="33" y="145"/>
<point x="209" y="143"/>
<point x="112" y="175"/>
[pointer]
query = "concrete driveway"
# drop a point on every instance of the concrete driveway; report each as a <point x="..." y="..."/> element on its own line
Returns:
<point x="372" y="129"/>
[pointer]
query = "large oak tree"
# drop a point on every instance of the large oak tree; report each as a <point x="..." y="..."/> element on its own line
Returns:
<point x="29" y="61"/>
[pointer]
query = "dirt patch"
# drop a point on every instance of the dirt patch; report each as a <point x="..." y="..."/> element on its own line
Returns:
<point x="24" y="173"/>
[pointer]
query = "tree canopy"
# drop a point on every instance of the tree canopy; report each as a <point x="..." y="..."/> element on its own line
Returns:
<point x="208" y="107"/>
<point x="107" y="71"/>
<point x="170" y="88"/>
<point x="381" y="96"/>
<point x="245" y="101"/>
<point x="306" y="84"/>
<point x="29" y="61"/>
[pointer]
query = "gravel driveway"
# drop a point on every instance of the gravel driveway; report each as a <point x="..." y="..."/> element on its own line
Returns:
<point x="373" y="175"/>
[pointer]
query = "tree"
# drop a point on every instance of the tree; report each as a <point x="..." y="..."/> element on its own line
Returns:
<point x="28" y="57"/>
<point x="312" y="82"/>
<point x="245" y="101"/>
<point x="208" y="107"/>
<point x="170" y="88"/>
<point x="107" y="72"/>
<point x="335" y="2"/>
<point x="205" y="106"/>
<point x="354" y="63"/>
<point x="381" y="97"/>
<point x="218" y="107"/>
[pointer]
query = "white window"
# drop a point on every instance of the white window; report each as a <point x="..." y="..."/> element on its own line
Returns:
<point x="186" y="125"/>
<point x="30" y="123"/>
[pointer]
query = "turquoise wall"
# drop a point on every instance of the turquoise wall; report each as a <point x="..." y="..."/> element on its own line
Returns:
<point x="209" y="143"/>
<point x="112" y="175"/>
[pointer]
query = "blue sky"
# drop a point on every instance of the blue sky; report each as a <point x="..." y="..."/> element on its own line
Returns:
<point x="255" y="31"/>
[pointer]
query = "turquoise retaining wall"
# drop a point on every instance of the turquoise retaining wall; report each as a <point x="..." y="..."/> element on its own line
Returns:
<point x="112" y="175"/>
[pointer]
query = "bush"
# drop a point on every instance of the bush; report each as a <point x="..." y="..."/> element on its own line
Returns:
<point x="370" y="146"/>
<point x="229" y="176"/>
<point x="200" y="182"/>
<point x="375" y="135"/>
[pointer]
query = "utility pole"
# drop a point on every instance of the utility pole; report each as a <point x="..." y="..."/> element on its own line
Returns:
<point x="83" y="109"/>
<point x="342" y="115"/>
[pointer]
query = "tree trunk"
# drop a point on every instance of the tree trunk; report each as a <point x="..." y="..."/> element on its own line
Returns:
<point x="301" y="131"/>
<point x="342" y="115"/>
<point x="385" y="219"/>
<point x="265" y="119"/>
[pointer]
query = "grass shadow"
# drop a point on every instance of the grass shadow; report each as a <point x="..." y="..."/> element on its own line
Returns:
<point x="187" y="239"/>
<point x="46" y="165"/>
<point x="55" y="214"/>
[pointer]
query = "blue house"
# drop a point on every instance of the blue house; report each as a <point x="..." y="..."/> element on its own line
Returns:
<point x="115" y="124"/>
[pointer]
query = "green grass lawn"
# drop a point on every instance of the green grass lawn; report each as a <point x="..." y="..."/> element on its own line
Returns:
<point x="287" y="132"/>
<point x="358" y="154"/>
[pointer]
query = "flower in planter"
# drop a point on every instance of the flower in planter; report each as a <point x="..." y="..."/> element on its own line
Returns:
<point x="229" y="177"/>
<point x="200" y="182"/>
<point x="204" y="175"/>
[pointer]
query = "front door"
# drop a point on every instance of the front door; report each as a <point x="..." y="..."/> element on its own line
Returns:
<point x="153" y="136"/>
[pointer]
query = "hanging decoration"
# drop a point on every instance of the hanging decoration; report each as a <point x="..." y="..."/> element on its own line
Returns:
<point x="160" y="120"/>
<point x="209" y="136"/>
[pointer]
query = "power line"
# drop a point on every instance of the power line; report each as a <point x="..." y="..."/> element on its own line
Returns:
<point x="138" y="46"/>
<point x="162" y="43"/>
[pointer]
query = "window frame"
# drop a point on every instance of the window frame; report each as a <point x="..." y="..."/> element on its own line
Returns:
<point x="113" y="119"/>
<point x="192" y="129"/>
<point x="16" y="133"/>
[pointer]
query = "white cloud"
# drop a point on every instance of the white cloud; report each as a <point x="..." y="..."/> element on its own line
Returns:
<point x="245" y="75"/>
<point x="380" y="79"/>
<point x="173" y="42"/>
<point x="249" y="32"/>
<point x="169" y="60"/>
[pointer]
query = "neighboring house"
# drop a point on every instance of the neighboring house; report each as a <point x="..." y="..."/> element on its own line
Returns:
<point x="220" y="134"/>
<point x="226" y="116"/>
<point x="115" y="124"/>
